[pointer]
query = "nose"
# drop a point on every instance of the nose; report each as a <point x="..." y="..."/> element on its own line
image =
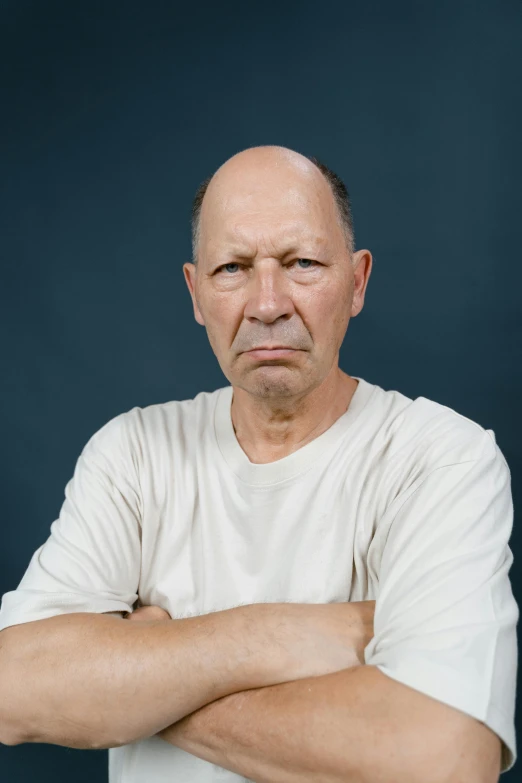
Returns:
<point x="268" y="294"/>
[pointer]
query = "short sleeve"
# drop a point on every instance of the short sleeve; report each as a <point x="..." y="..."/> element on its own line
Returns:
<point x="91" y="560"/>
<point x="445" y="615"/>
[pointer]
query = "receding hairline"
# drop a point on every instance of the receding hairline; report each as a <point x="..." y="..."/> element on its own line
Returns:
<point x="337" y="187"/>
<point x="268" y="155"/>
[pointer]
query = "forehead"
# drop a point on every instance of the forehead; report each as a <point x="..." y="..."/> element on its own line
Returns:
<point x="270" y="213"/>
<point x="279" y="237"/>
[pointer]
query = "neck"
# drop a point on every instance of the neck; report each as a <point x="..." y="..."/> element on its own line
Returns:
<point x="269" y="429"/>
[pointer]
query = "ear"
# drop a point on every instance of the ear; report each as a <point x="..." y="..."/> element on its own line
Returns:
<point x="362" y="267"/>
<point x="189" y="270"/>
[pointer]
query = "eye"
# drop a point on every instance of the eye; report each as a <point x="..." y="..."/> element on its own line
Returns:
<point x="224" y="266"/>
<point x="306" y="261"/>
<point x="297" y="260"/>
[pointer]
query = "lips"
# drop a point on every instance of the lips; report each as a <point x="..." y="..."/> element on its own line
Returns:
<point x="272" y="348"/>
<point x="270" y="353"/>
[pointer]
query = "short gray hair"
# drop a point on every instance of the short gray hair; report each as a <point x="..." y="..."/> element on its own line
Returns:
<point x="340" y="194"/>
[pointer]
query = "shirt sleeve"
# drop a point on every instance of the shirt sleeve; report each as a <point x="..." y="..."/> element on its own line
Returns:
<point x="445" y="615"/>
<point x="91" y="559"/>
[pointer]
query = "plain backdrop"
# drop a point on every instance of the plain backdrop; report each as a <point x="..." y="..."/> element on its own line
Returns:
<point x="112" y="113"/>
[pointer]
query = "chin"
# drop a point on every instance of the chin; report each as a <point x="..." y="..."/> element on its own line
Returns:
<point x="274" y="384"/>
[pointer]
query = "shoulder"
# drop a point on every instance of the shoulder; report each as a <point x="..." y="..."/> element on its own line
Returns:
<point x="141" y="432"/>
<point x="417" y="436"/>
<point x="160" y="420"/>
<point x="441" y="433"/>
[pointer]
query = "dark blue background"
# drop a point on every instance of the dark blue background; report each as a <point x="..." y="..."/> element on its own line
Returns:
<point x="112" y="114"/>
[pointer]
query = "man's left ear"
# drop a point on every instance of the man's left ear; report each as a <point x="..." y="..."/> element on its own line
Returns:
<point x="362" y="263"/>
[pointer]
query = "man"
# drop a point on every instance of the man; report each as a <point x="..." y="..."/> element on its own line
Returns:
<point x="277" y="508"/>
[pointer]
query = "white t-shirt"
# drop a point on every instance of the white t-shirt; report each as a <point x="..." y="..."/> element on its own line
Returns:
<point x="401" y="501"/>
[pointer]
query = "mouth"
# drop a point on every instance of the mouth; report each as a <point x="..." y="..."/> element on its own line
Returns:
<point x="271" y="353"/>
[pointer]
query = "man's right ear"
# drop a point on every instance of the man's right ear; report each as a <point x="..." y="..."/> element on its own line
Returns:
<point x="189" y="270"/>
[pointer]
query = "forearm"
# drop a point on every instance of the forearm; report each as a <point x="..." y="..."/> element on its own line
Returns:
<point x="352" y="726"/>
<point x="92" y="681"/>
<point x="294" y="732"/>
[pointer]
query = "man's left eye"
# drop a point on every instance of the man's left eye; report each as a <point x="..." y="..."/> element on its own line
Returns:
<point x="306" y="261"/>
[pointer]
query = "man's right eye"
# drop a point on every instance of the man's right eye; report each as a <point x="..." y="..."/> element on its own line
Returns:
<point x="224" y="266"/>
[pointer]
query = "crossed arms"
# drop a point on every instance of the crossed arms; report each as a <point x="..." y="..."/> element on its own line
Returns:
<point x="234" y="698"/>
<point x="356" y="725"/>
<point x="220" y="687"/>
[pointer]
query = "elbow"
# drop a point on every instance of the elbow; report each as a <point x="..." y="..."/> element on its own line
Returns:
<point x="8" y="737"/>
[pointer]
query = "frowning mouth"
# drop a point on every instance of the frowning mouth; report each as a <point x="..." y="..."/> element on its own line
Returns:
<point x="271" y="353"/>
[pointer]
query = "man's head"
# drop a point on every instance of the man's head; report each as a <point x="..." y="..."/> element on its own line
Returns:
<point x="275" y="265"/>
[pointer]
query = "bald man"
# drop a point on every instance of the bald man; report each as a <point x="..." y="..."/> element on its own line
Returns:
<point x="315" y="569"/>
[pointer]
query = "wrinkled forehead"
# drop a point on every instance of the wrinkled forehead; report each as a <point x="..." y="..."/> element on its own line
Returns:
<point x="267" y="213"/>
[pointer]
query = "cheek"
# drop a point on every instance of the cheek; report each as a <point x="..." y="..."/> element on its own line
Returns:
<point x="331" y="316"/>
<point x="221" y="306"/>
<point x="329" y="304"/>
<point x="221" y="317"/>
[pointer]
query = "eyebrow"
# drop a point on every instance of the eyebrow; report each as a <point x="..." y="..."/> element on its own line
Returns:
<point x="313" y="242"/>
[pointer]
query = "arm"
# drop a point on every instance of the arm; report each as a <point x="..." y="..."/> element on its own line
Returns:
<point x="352" y="726"/>
<point x="91" y="681"/>
<point x="277" y="733"/>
